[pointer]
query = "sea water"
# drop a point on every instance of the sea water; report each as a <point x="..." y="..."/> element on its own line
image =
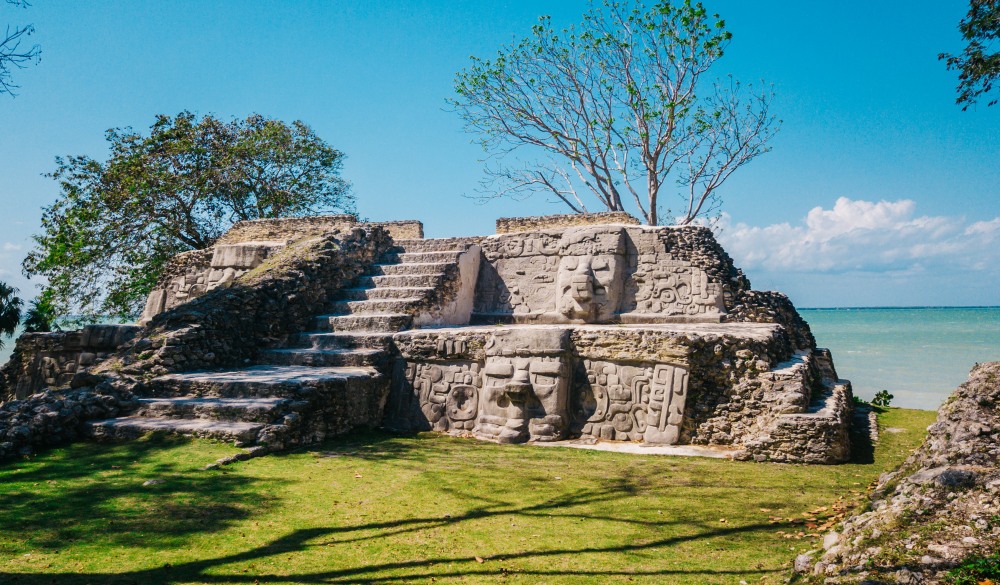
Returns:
<point x="920" y="355"/>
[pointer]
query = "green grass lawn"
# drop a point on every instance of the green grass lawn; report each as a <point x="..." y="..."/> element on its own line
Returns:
<point x="383" y="509"/>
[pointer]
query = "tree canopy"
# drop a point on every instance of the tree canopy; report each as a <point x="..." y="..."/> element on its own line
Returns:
<point x="15" y="52"/>
<point x="115" y="224"/>
<point x="10" y="311"/>
<point x="979" y="64"/>
<point x="617" y="109"/>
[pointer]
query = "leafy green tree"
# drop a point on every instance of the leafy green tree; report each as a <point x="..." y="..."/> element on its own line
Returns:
<point x="14" y="54"/>
<point x="618" y="109"/>
<point x="41" y="316"/>
<point x="105" y="241"/>
<point x="979" y="64"/>
<point x="10" y="311"/>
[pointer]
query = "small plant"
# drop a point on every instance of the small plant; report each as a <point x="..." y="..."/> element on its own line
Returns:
<point x="976" y="570"/>
<point x="858" y="401"/>
<point x="882" y="399"/>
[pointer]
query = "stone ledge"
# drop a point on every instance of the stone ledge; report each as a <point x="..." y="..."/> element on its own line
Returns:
<point x="508" y="225"/>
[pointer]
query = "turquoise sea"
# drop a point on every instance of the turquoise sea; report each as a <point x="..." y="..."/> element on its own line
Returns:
<point x="918" y="354"/>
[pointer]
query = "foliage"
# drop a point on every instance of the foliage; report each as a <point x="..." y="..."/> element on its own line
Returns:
<point x="617" y="109"/>
<point x="377" y="508"/>
<point x="105" y="241"/>
<point x="976" y="570"/>
<point x="882" y="399"/>
<point x="10" y="311"/>
<point x="41" y="315"/>
<point x="13" y="55"/>
<point x="979" y="63"/>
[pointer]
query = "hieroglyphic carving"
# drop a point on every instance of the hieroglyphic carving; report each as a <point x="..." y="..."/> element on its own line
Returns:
<point x="629" y="402"/>
<point x="447" y="393"/>
<point x="672" y="288"/>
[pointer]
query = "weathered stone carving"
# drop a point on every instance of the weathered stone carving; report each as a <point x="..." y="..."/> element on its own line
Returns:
<point x="447" y="393"/>
<point x="525" y="386"/>
<point x="629" y="402"/>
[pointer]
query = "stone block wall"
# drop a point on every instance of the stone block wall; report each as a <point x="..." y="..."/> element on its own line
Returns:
<point x="50" y="360"/>
<point x="938" y="508"/>
<point x="509" y="225"/>
<point x="53" y="418"/>
<point x="285" y="229"/>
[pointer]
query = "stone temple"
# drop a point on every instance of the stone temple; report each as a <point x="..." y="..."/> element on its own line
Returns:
<point x="576" y="329"/>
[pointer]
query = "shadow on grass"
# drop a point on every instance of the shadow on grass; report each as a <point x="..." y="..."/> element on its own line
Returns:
<point x="235" y="568"/>
<point x="207" y="571"/>
<point x="71" y="494"/>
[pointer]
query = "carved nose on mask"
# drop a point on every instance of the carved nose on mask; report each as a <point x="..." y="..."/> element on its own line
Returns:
<point x="519" y="386"/>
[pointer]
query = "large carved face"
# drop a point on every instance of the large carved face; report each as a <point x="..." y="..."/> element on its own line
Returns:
<point x="524" y="398"/>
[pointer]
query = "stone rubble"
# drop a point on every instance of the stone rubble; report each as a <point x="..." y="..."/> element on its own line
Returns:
<point x="940" y="507"/>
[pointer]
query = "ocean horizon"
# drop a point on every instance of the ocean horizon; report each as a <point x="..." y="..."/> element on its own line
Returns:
<point x="918" y="354"/>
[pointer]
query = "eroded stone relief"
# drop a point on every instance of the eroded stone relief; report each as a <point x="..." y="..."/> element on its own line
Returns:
<point x="629" y="402"/>
<point x="591" y="274"/>
<point x="532" y="385"/>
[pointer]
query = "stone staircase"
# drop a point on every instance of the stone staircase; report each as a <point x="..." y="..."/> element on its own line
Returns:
<point x="322" y="384"/>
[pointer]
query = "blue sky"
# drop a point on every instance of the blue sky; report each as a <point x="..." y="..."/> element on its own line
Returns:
<point x="880" y="191"/>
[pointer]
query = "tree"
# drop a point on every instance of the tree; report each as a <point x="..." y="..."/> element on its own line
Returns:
<point x="40" y="316"/>
<point x="979" y="63"/>
<point x="13" y="55"/>
<point x="10" y="311"/>
<point x="617" y="108"/>
<point x="105" y="240"/>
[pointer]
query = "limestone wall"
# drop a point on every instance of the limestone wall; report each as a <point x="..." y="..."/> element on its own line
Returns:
<point x="53" y="418"/>
<point x="50" y="360"/>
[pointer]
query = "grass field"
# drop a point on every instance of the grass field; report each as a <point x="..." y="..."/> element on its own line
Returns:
<point x="384" y="509"/>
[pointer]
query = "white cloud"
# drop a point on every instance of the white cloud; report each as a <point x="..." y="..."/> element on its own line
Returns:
<point x="10" y="247"/>
<point x="857" y="235"/>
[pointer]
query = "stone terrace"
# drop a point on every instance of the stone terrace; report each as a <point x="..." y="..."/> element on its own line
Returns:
<point x="590" y="328"/>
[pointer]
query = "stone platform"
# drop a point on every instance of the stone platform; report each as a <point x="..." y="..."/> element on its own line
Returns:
<point x="588" y="328"/>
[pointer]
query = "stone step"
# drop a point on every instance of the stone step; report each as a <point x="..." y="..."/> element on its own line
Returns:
<point x="258" y="410"/>
<point x="390" y="322"/>
<point x="133" y="427"/>
<point x="343" y="340"/>
<point x="323" y="357"/>
<point x="435" y="245"/>
<point x="402" y="281"/>
<point x="412" y="268"/>
<point x="260" y="381"/>
<point x="385" y="292"/>
<point x="449" y="257"/>
<point x="375" y="307"/>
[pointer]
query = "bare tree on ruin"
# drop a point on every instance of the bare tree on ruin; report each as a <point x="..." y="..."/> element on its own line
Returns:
<point x="616" y="111"/>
